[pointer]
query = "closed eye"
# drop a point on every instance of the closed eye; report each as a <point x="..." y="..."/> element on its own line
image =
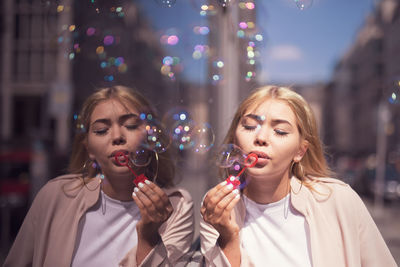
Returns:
<point x="101" y="131"/>
<point x="280" y="132"/>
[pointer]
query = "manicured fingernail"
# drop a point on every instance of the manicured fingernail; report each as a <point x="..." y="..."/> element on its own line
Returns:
<point x="223" y="183"/>
<point x="133" y="194"/>
<point x="140" y="185"/>
<point x="235" y="191"/>
<point x="237" y="196"/>
<point x="233" y="178"/>
<point x="147" y="181"/>
<point x="229" y="186"/>
<point x="136" y="189"/>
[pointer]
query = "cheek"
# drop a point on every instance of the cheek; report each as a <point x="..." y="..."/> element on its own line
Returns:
<point x="94" y="146"/>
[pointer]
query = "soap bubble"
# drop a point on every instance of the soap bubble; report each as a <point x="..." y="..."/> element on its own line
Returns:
<point x="156" y="137"/>
<point x="230" y="155"/>
<point x="203" y="138"/>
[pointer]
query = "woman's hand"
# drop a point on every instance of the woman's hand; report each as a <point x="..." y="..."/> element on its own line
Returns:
<point x="155" y="208"/>
<point x="216" y="210"/>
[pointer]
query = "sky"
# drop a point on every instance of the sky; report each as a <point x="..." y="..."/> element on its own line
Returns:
<point x="299" y="46"/>
<point x="303" y="45"/>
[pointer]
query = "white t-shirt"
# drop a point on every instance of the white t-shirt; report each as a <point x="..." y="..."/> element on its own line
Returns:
<point x="106" y="233"/>
<point x="275" y="234"/>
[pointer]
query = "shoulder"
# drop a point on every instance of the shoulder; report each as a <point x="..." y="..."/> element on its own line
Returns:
<point x="68" y="185"/>
<point x="335" y="192"/>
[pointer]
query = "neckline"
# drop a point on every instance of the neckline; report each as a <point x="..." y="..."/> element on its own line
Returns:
<point x="266" y="208"/>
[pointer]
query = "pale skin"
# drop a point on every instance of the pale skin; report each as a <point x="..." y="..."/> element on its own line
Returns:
<point x="117" y="127"/>
<point x="270" y="131"/>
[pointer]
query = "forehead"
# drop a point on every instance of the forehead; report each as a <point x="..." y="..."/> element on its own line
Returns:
<point x="112" y="107"/>
<point x="273" y="109"/>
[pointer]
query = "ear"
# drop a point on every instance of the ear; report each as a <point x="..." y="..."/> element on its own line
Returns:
<point x="302" y="151"/>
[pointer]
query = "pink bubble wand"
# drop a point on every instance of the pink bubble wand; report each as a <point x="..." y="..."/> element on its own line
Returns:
<point x="234" y="180"/>
<point x="138" y="178"/>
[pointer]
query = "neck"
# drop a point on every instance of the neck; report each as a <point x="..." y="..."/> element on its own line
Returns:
<point x="267" y="190"/>
<point x="119" y="188"/>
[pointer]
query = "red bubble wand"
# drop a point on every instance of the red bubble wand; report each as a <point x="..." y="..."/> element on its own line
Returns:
<point x="234" y="180"/>
<point x="138" y="178"/>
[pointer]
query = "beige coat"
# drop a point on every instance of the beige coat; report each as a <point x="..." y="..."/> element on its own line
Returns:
<point x="342" y="232"/>
<point x="47" y="235"/>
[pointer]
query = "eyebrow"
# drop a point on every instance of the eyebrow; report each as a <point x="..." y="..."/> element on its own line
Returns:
<point x="121" y="119"/>
<point x="273" y="121"/>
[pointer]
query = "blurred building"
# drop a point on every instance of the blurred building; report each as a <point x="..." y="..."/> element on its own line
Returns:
<point x="55" y="53"/>
<point x="232" y="41"/>
<point x="366" y="79"/>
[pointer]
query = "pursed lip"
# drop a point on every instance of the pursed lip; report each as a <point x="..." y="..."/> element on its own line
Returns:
<point x="261" y="154"/>
<point x="126" y="152"/>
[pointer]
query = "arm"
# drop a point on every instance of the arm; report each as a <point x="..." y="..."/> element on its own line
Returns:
<point x="219" y="231"/>
<point x="174" y="236"/>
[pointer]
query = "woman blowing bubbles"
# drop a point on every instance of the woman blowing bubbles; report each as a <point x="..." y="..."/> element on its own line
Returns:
<point x="88" y="218"/>
<point x="289" y="214"/>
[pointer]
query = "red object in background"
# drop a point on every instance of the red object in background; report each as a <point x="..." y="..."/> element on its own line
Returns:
<point x="22" y="156"/>
<point x="13" y="187"/>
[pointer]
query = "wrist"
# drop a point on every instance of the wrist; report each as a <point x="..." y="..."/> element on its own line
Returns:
<point x="228" y="240"/>
<point x="148" y="234"/>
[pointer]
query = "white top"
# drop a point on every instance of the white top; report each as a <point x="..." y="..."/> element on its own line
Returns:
<point x="106" y="233"/>
<point x="275" y="234"/>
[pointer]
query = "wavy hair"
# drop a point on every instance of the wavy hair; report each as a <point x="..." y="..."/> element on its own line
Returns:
<point x="313" y="164"/>
<point x="79" y="159"/>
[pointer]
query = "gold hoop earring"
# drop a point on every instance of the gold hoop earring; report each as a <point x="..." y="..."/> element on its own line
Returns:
<point x="99" y="175"/>
<point x="301" y="171"/>
<point x="84" y="168"/>
<point x="155" y="174"/>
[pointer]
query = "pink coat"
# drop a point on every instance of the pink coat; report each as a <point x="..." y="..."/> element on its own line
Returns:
<point x="342" y="232"/>
<point x="47" y="235"/>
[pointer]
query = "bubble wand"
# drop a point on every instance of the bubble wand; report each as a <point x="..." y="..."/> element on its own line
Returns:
<point x="138" y="178"/>
<point x="234" y="180"/>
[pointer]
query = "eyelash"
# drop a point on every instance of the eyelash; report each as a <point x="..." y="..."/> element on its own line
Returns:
<point x="253" y="128"/>
<point x="104" y="131"/>
<point x="280" y="133"/>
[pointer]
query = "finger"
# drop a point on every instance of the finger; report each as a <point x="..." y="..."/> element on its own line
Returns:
<point x="157" y="190"/>
<point x="221" y="206"/>
<point x="158" y="197"/>
<point x="218" y="196"/>
<point x="148" y="205"/>
<point x="233" y="201"/>
<point x="213" y="190"/>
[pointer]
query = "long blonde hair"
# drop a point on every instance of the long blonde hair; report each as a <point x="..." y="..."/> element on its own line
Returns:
<point x="313" y="163"/>
<point x="79" y="160"/>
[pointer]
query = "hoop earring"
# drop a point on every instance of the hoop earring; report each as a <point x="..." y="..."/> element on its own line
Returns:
<point x="99" y="174"/>
<point x="301" y="175"/>
<point x="301" y="171"/>
<point x="84" y="169"/>
<point x="155" y="175"/>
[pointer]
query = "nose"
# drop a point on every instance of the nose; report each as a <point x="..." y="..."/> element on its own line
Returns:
<point x="261" y="138"/>
<point x="117" y="136"/>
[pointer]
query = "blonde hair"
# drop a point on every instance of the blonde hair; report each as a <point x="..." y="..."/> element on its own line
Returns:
<point x="80" y="160"/>
<point x="313" y="163"/>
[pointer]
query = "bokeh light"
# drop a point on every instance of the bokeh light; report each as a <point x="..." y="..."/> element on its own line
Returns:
<point x="203" y="138"/>
<point x="303" y="4"/>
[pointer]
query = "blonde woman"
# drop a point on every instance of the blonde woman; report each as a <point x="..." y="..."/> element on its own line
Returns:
<point x="289" y="213"/>
<point x="95" y="216"/>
